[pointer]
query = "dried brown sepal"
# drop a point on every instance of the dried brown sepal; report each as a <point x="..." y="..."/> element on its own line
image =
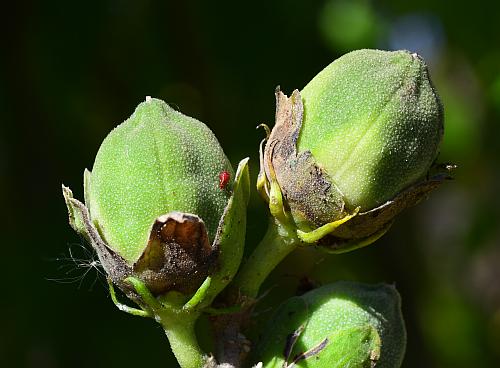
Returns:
<point x="307" y="189"/>
<point x="178" y="255"/>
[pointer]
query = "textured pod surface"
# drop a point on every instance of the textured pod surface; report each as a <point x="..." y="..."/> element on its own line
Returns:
<point x="158" y="161"/>
<point x="345" y="324"/>
<point x="373" y="122"/>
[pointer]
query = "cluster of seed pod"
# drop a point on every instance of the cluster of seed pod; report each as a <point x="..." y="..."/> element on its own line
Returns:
<point x="166" y="213"/>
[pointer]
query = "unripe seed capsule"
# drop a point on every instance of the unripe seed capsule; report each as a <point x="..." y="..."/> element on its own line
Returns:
<point x="354" y="148"/>
<point x="153" y="207"/>
<point x="344" y="324"/>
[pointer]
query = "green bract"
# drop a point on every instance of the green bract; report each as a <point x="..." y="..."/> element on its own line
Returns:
<point x="353" y="149"/>
<point x="345" y="324"/>
<point x="154" y="209"/>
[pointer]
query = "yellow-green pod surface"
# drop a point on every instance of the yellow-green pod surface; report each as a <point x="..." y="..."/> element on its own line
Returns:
<point x="156" y="162"/>
<point x="373" y="122"/>
<point x="345" y="324"/>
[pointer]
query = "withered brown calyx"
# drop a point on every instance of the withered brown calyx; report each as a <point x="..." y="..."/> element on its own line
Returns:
<point x="307" y="188"/>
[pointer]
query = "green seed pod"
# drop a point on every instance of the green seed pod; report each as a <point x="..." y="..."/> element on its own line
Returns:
<point x="155" y="209"/>
<point x="345" y="324"/>
<point x="354" y="148"/>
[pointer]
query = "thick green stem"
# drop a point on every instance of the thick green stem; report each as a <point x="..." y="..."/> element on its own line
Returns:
<point x="182" y="338"/>
<point x="277" y="243"/>
<point x="177" y="323"/>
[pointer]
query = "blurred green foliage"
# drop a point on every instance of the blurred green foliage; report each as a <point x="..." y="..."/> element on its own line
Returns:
<point x="71" y="71"/>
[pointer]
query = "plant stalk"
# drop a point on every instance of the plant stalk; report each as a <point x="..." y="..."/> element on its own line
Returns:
<point x="181" y="335"/>
<point x="277" y="243"/>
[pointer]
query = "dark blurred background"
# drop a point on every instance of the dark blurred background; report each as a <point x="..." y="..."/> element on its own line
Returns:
<point x="71" y="71"/>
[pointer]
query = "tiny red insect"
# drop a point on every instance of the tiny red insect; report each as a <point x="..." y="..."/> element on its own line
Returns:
<point x="224" y="177"/>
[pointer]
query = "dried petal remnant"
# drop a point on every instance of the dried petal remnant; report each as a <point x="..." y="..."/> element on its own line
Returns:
<point x="307" y="189"/>
<point x="178" y="255"/>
